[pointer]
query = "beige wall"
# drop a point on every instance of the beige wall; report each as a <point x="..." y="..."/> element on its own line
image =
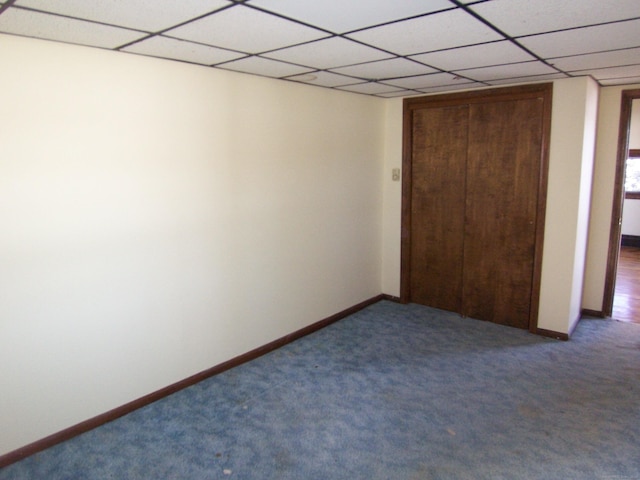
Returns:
<point x="160" y="218"/>
<point x="602" y="195"/>
<point x="392" y="192"/>
<point x="573" y="127"/>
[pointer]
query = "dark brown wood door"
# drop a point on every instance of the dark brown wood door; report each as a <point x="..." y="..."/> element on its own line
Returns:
<point x="473" y="202"/>
<point x="439" y="151"/>
<point x="503" y="171"/>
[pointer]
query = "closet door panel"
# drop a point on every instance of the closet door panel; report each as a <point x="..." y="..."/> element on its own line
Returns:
<point x="439" y="153"/>
<point x="503" y="170"/>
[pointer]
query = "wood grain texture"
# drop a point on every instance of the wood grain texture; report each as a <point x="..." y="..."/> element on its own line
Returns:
<point x="626" y="301"/>
<point x="437" y="206"/>
<point x="420" y="286"/>
<point x="503" y="168"/>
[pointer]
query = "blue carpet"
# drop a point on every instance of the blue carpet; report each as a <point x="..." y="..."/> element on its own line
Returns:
<point x="392" y="392"/>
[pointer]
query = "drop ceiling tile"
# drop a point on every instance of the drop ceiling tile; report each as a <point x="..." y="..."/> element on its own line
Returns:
<point x="369" y="88"/>
<point x="148" y="15"/>
<point x="585" y="40"/>
<point x="613" y="58"/>
<point x="507" y="71"/>
<point x="529" y="79"/>
<point x="182" y="50"/>
<point x="525" y="17"/>
<point x="620" y="81"/>
<point x="613" y="72"/>
<point x="329" y="53"/>
<point x="393" y="68"/>
<point x="324" y="79"/>
<point x="453" y="28"/>
<point x="246" y="30"/>
<point x="265" y="67"/>
<point x="399" y="93"/>
<point x="495" y="53"/>
<point x="339" y="16"/>
<point x="426" y="81"/>
<point x="451" y="88"/>
<point x="62" y="29"/>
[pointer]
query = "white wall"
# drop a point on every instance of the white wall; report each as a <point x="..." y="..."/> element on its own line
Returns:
<point x="392" y="191"/>
<point x="573" y="127"/>
<point x="602" y="195"/>
<point x="160" y="218"/>
<point x="631" y="208"/>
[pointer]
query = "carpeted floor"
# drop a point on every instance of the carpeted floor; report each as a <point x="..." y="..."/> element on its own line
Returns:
<point x="392" y="392"/>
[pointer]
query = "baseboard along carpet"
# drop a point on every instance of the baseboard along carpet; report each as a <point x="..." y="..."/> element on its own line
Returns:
<point x="391" y="392"/>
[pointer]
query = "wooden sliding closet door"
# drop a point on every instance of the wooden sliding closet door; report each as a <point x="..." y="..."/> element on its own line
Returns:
<point x="437" y="206"/>
<point x="474" y="189"/>
<point x="503" y="171"/>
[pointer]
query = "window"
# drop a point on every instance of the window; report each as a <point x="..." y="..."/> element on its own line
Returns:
<point x="632" y="175"/>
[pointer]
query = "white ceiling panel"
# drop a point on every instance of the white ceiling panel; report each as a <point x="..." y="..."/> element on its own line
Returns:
<point x="525" y="17"/>
<point x="487" y="54"/>
<point x="370" y="88"/>
<point x="399" y="93"/>
<point x="507" y="71"/>
<point x="324" y="79"/>
<point x="148" y="15"/>
<point x="585" y="40"/>
<point x="628" y="56"/>
<point x="245" y="29"/>
<point x="449" y="88"/>
<point x="449" y="29"/>
<point x="620" y="81"/>
<point x="265" y="67"/>
<point x="339" y="16"/>
<point x="396" y="67"/>
<point x="613" y="72"/>
<point x="529" y="79"/>
<point x="61" y="29"/>
<point x="329" y="53"/>
<point x="335" y="43"/>
<point x="426" y="81"/>
<point x="182" y="50"/>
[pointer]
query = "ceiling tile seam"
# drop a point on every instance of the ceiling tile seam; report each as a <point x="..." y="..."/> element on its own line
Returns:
<point x="618" y="78"/>
<point x="306" y="42"/>
<point x="529" y="35"/>
<point x="598" y="52"/>
<point x="408" y="56"/>
<point x="459" y="70"/>
<point x="394" y="54"/>
<point x="290" y="19"/>
<point x="193" y="42"/>
<point x="256" y="55"/>
<point x="488" y="82"/>
<point x="604" y="68"/>
<point x="335" y="35"/>
<point x="481" y="19"/>
<point x="86" y="20"/>
<point x="172" y="59"/>
<point x="291" y="78"/>
<point x="241" y="72"/>
<point x="6" y="5"/>
<point x="470" y="80"/>
<point x="172" y="27"/>
<point x="400" y="20"/>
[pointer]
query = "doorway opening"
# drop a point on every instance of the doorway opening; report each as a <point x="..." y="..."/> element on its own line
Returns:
<point x="622" y="283"/>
